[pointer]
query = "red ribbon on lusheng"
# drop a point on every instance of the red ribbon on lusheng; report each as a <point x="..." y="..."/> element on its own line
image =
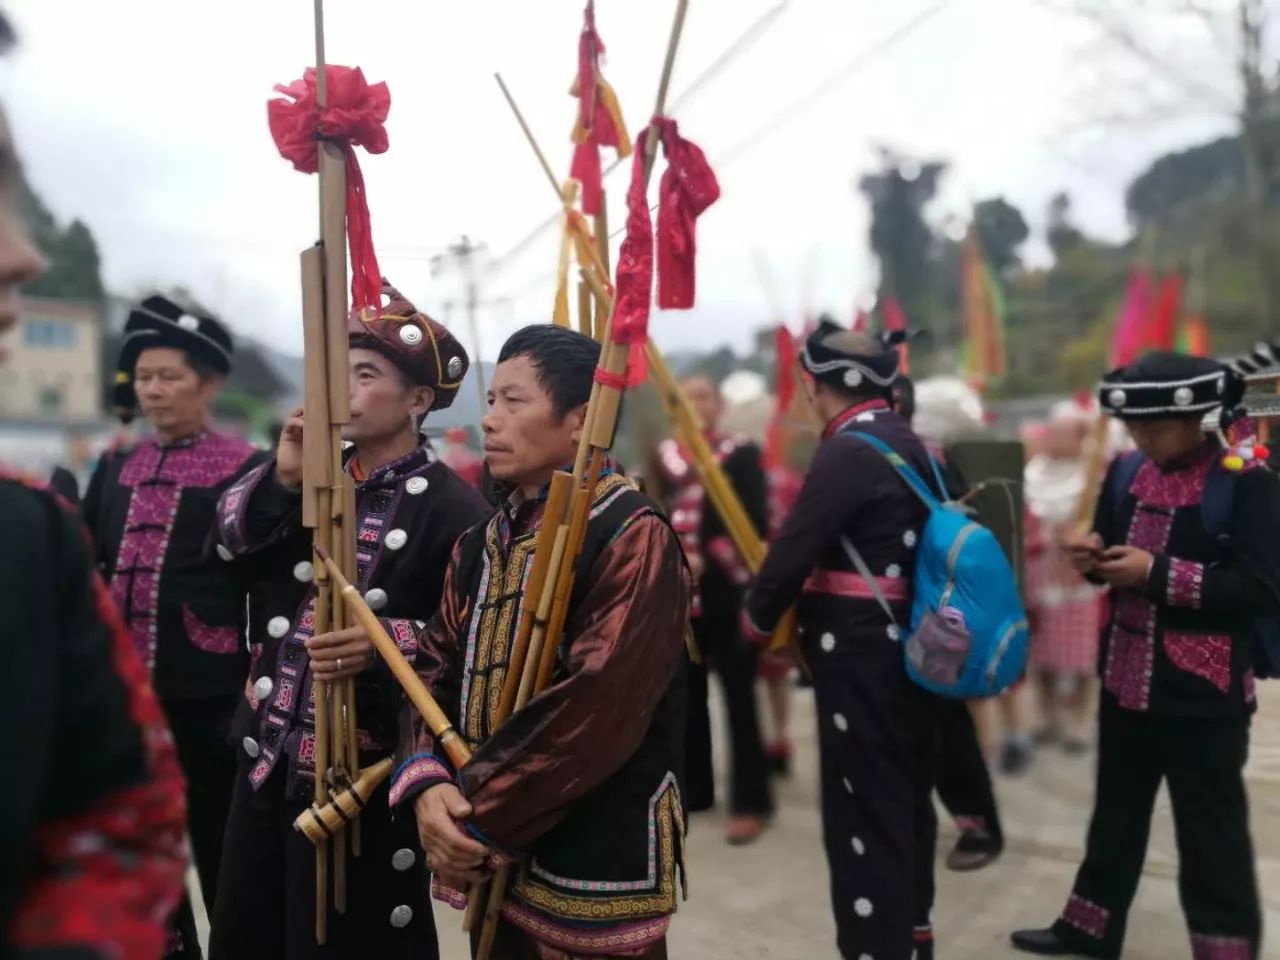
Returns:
<point x="594" y="118"/>
<point x="687" y="188"/>
<point x="354" y="115"/>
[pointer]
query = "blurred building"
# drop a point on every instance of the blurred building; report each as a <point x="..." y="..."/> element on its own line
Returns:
<point x="53" y="373"/>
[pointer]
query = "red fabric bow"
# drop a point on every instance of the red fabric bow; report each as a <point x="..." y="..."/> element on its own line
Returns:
<point x="353" y="115"/>
<point x="687" y="188"/>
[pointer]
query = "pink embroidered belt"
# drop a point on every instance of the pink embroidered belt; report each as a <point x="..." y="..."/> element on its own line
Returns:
<point x="847" y="583"/>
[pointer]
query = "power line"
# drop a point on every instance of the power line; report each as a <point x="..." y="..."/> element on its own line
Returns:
<point x="789" y="112"/>
<point x="745" y="40"/>
<point x="828" y="85"/>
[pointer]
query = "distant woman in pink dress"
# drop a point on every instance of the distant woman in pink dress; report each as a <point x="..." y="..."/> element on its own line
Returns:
<point x="1065" y="611"/>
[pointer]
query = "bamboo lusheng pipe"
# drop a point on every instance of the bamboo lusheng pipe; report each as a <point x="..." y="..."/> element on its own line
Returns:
<point x="558" y="496"/>
<point x="603" y="407"/>
<point x="318" y="823"/>
<point x="601" y="424"/>
<point x="1095" y="473"/>
<point x="437" y="722"/>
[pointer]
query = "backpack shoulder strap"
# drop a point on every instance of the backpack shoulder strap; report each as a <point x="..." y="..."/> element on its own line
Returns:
<point x="1126" y="469"/>
<point x="905" y="470"/>
<point x="1219" y="496"/>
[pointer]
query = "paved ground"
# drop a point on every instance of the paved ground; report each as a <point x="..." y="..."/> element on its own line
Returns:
<point x="770" y="900"/>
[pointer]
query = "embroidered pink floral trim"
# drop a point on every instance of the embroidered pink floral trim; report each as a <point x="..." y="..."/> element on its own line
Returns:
<point x="1131" y="652"/>
<point x="1186" y="581"/>
<point x="1205" y="655"/>
<point x="1207" y="947"/>
<point x="207" y="638"/>
<point x="1086" y="916"/>
<point x="1176" y="488"/>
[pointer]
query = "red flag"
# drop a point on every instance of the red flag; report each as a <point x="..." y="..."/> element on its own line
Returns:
<point x="775" y="443"/>
<point x="599" y="121"/>
<point x="1159" y="327"/>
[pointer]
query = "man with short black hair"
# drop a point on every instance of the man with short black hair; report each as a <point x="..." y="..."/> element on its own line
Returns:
<point x="581" y="786"/>
<point x="150" y="509"/>
<point x="875" y="727"/>
<point x="409" y="509"/>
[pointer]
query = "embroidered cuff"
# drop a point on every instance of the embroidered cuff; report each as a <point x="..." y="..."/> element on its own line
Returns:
<point x="417" y="773"/>
<point x="1184" y="583"/>
<point x="404" y="633"/>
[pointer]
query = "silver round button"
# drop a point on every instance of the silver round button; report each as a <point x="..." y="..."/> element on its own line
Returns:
<point x="278" y="626"/>
<point x="224" y="553"/>
<point x="454" y="367"/>
<point x="402" y="914"/>
<point x="250" y="747"/>
<point x="410" y="335"/>
<point x="376" y="598"/>
<point x="395" y="539"/>
<point x="262" y="687"/>
<point x="415" y="485"/>
<point x="303" y="572"/>
<point x="403" y="859"/>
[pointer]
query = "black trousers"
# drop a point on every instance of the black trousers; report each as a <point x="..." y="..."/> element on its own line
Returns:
<point x="200" y="729"/>
<point x="876" y="733"/>
<point x="963" y="780"/>
<point x="1202" y="761"/>
<point x="725" y="650"/>
<point x="266" y="903"/>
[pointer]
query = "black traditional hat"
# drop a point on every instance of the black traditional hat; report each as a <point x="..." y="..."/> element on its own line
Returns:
<point x="1163" y="386"/>
<point x="847" y="371"/>
<point x="414" y="342"/>
<point x="159" y="321"/>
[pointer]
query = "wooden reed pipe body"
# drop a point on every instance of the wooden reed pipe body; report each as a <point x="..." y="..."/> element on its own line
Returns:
<point x="437" y="722"/>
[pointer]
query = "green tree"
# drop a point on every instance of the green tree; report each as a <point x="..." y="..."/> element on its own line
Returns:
<point x="73" y="265"/>
<point x="900" y="236"/>
<point x="1002" y="230"/>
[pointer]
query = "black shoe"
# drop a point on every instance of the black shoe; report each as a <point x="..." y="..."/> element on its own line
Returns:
<point x="973" y="851"/>
<point x="1015" y="759"/>
<point x="1046" y="943"/>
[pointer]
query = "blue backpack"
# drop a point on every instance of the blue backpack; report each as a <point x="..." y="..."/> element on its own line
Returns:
<point x="1215" y="511"/>
<point x="968" y="631"/>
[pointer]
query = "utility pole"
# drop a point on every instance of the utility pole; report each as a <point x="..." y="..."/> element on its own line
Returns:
<point x="464" y="254"/>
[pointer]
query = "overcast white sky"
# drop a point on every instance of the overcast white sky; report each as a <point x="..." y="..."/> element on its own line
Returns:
<point x="146" y="118"/>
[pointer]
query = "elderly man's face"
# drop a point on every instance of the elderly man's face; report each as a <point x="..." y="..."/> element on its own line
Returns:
<point x="19" y="260"/>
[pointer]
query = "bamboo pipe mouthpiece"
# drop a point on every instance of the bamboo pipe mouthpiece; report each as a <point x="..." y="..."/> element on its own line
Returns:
<point x="319" y="823"/>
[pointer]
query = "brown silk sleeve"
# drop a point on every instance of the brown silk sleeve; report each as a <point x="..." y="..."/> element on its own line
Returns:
<point x="627" y="640"/>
